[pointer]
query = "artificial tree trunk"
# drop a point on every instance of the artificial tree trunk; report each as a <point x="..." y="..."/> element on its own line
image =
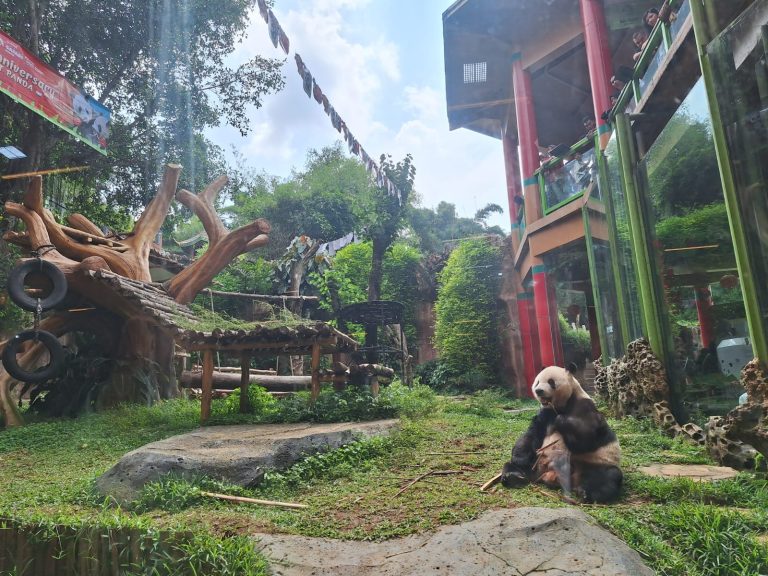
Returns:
<point x="142" y="358"/>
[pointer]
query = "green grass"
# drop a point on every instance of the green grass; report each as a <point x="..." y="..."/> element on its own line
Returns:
<point x="680" y="527"/>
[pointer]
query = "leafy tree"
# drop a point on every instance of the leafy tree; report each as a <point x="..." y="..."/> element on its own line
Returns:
<point x="346" y="281"/>
<point x="161" y="69"/>
<point x="466" y="331"/>
<point x="324" y="201"/>
<point x="434" y="227"/>
<point x="682" y="167"/>
<point x="387" y="214"/>
<point x="482" y="215"/>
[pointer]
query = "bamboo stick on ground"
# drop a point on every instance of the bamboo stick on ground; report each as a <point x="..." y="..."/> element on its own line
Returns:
<point x="491" y="482"/>
<point x="244" y="500"/>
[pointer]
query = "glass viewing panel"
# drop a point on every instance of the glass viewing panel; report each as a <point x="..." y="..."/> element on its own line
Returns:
<point x="569" y="179"/>
<point x="682" y="15"/>
<point x="740" y="67"/>
<point x="625" y="271"/>
<point x="703" y="314"/>
<point x="653" y="67"/>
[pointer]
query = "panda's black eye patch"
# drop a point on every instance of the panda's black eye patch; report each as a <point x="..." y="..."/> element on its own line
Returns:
<point x="551" y="382"/>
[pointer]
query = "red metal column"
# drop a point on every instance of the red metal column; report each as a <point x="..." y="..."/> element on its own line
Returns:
<point x="703" y="305"/>
<point x="527" y="138"/>
<point x="546" y="317"/>
<point x="524" y="302"/>
<point x="599" y="61"/>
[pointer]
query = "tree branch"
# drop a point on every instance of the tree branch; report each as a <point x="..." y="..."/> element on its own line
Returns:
<point x="184" y="286"/>
<point x="54" y="234"/>
<point x="202" y="206"/>
<point x="150" y="221"/>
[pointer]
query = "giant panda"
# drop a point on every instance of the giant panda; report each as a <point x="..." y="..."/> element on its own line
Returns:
<point x="568" y="444"/>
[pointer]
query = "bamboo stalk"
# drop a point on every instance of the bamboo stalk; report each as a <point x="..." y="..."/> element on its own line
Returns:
<point x="245" y="500"/>
<point x="490" y="482"/>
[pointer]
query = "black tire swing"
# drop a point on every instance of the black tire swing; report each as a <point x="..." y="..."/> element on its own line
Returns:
<point x="55" y="353"/>
<point x="16" y="291"/>
<point x="23" y="300"/>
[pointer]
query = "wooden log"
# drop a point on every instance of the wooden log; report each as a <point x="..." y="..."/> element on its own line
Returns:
<point x="245" y="380"/>
<point x="236" y="369"/>
<point x="230" y="381"/>
<point x="207" y="385"/>
<point x="315" y="371"/>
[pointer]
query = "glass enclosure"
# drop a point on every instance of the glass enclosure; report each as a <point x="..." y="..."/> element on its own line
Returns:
<point x="568" y="268"/>
<point x="704" y="315"/>
<point x="628" y="307"/>
<point x="740" y="67"/>
<point x="569" y="179"/>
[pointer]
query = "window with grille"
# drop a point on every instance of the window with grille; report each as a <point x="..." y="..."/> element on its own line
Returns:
<point x="475" y="73"/>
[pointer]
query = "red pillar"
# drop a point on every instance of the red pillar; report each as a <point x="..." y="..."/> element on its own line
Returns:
<point x="598" y="49"/>
<point x="546" y="317"/>
<point x="524" y="305"/>
<point x="703" y="305"/>
<point x="527" y="138"/>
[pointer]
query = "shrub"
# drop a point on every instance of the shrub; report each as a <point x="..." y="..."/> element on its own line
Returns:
<point x="414" y="402"/>
<point x="466" y="329"/>
<point x="262" y="402"/>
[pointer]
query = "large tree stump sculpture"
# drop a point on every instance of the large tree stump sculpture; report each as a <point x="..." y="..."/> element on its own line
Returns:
<point x="142" y="354"/>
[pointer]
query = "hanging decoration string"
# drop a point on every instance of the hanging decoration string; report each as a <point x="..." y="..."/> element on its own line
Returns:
<point x="311" y="88"/>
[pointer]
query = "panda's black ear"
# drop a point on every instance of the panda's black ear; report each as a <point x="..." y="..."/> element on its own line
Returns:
<point x="572" y="368"/>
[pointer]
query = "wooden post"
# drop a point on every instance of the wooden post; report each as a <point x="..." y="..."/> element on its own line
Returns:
<point x="207" y="384"/>
<point x="374" y="385"/>
<point x="245" y="380"/>
<point x="315" y="371"/>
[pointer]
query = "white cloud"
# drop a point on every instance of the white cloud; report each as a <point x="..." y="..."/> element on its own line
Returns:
<point x="362" y="79"/>
<point x="350" y="73"/>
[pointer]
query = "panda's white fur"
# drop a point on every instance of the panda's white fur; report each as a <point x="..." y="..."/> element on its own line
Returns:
<point x="555" y="464"/>
<point x="554" y="386"/>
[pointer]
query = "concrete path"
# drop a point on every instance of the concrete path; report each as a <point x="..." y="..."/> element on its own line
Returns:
<point x="519" y="542"/>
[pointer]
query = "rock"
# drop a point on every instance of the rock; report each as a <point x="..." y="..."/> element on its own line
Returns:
<point x="728" y="451"/>
<point x="699" y="472"/>
<point x="235" y="454"/>
<point x="531" y="541"/>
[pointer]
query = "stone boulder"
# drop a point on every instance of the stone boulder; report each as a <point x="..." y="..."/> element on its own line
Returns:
<point x="237" y="455"/>
<point x="530" y="541"/>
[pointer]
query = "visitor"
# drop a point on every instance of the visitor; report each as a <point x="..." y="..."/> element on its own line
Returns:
<point x="639" y="38"/>
<point x="650" y="18"/>
<point x="616" y="83"/>
<point x="589" y="125"/>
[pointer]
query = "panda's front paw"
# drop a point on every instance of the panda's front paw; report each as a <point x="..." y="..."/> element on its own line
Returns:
<point x="511" y="477"/>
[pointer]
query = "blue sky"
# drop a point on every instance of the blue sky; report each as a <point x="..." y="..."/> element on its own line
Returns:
<point x="380" y="62"/>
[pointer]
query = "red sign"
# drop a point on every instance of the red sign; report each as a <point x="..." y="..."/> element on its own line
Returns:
<point x="31" y="82"/>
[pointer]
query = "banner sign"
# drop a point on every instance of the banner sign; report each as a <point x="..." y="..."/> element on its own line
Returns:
<point x="31" y="82"/>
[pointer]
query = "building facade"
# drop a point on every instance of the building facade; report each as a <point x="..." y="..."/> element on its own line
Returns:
<point x="636" y="152"/>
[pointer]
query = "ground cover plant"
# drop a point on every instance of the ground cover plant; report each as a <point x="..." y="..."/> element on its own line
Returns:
<point x="357" y="492"/>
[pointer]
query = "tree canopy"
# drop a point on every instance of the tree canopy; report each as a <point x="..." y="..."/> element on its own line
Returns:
<point x="160" y="67"/>
<point x="325" y="200"/>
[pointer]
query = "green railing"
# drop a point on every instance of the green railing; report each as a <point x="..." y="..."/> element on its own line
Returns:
<point x="562" y="180"/>
<point x="654" y="53"/>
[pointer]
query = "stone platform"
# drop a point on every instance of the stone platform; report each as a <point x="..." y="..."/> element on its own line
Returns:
<point x="238" y="455"/>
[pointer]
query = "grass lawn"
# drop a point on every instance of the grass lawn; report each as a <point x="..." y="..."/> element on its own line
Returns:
<point x="678" y="526"/>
